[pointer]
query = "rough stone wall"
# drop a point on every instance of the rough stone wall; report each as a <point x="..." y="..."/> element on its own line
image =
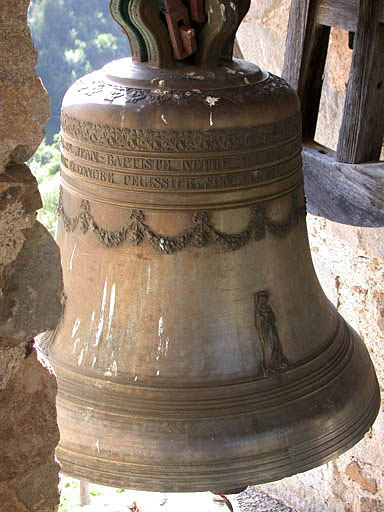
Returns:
<point x="349" y="262"/>
<point x="30" y="281"/>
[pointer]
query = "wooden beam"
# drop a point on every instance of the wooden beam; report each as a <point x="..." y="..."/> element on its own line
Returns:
<point x="346" y="193"/>
<point x="84" y="493"/>
<point x="341" y="13"/>
<point x="362" y="128"/>
<point x="304" y="61"/>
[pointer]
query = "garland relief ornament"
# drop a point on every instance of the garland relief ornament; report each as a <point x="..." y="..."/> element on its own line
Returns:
<point x="199" y="234"/>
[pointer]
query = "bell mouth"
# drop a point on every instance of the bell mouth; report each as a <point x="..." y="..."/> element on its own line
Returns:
<point x="236" y="490"/>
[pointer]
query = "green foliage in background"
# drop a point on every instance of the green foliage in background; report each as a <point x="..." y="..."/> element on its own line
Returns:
<point x="69" y="494"/>
<point x="101" y="497"/>
<point x="73" y="37"/>
<point x="45" y="165"/>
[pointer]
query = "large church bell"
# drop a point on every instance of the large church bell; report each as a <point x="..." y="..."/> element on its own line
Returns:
<point x="197" y="350"/>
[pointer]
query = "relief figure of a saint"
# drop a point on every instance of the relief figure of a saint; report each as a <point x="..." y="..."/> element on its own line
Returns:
<point x="273" y="358"/>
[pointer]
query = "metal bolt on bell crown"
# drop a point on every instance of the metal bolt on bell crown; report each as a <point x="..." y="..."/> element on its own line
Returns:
<point x="197" y="350"/>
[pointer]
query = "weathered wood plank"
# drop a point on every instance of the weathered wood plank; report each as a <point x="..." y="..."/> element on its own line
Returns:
<point x="341" y="13"/>
<point x="362" y="128"/>
<point x="304" y="60"/>
<point x="299" y="16"/>
<point x="346" y="193"/>
<point x="338" y="13"/>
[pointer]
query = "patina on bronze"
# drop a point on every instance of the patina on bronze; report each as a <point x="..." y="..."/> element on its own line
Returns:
<point x="197" y="350"/>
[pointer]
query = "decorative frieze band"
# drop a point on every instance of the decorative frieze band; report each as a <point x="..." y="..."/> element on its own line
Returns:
<point x="199" y="234"/>
<point x="176" y="141"/>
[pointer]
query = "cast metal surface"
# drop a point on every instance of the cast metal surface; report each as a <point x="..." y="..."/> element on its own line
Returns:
<point x="197" y="350"/>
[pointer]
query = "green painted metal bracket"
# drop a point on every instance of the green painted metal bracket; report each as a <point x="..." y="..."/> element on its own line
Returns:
<point x="145" y="15"/>
<point x="142" y="22"/>
<point x="119" y="11"/>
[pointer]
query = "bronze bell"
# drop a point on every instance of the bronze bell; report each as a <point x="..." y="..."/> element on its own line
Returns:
<point x="197" y="350"/>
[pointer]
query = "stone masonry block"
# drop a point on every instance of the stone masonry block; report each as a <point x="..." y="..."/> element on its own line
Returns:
<point x="32" y="288"/>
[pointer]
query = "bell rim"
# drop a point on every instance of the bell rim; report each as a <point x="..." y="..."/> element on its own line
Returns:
<point x="317" y="432"/>
<point x="200" y="481"/>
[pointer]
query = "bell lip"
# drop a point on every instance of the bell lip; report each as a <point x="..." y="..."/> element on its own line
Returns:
<point x="228" y="477"/>
<point x="128" y="73"/>
<point x="333" y="433"/>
